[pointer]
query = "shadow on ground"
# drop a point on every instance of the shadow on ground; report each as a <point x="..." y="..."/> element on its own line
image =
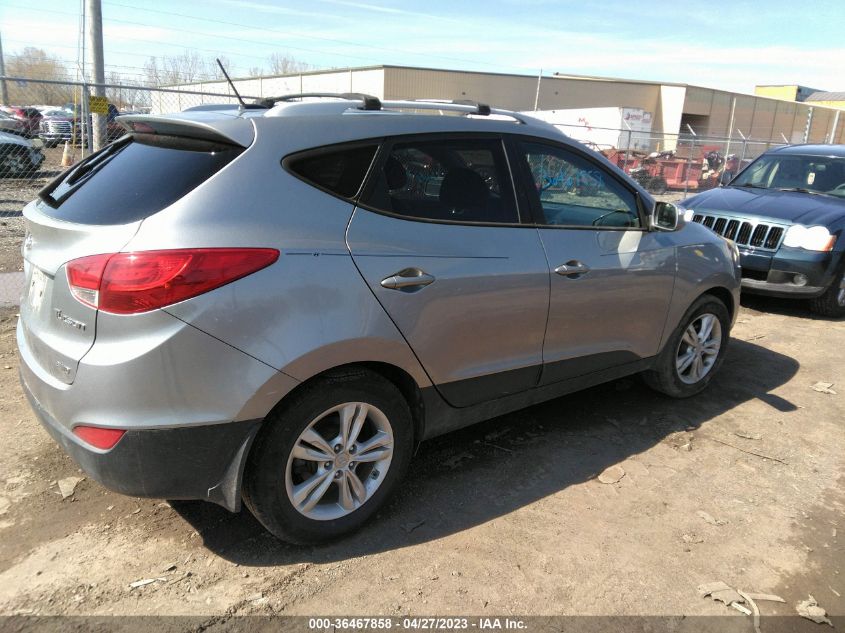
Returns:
<point x="472" y="476"/>
<point x="786" y="307"/>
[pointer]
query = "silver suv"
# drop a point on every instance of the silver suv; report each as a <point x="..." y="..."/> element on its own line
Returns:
<point x="278" y="304"/>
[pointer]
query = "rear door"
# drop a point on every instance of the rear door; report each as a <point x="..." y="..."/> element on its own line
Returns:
<point x="611" y="279"/>
<point x="438" y="239"/>
<point x="96" y="207"/>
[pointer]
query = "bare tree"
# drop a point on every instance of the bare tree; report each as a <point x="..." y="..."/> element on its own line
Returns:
<point x="125" y="95"/>
<point x="189" y="67"/>
<point x="284" y="65"/>
<point x="35" y="63"/>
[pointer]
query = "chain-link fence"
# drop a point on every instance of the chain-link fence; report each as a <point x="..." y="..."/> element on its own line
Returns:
<point x="674" y="164"/>
<point x="50" y="126"/>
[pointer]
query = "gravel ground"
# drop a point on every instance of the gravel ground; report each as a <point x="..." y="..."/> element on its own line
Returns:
<point x="742" y="483"/>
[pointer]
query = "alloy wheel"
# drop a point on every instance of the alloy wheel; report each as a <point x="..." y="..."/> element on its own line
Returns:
<point x="699" y="348"/>
<point x="339" y="461"/>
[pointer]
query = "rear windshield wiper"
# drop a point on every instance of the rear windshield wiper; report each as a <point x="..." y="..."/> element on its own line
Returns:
<point x="84" y="170"/>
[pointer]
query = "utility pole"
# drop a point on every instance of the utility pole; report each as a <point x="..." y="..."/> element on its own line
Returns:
<point x="94" y="37"/>
<point x="4" y="96"/>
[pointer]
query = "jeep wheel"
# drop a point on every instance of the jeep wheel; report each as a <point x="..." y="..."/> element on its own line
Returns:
<point x="832" y="302"/>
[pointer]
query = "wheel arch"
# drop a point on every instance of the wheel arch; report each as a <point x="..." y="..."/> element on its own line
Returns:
<point x="394" y="374"/>
<point x="725" y="296"/>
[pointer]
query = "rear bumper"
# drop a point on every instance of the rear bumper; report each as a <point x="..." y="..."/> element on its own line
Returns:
<point x="189" y="403"/>
<point x="202" y="462"/>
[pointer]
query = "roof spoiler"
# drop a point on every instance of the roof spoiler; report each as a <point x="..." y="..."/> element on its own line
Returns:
<point x="227" y="129"/>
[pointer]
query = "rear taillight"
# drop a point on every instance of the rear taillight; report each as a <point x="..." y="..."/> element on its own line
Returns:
<point x="97" y="437"/>
<point x="127" y="283"/>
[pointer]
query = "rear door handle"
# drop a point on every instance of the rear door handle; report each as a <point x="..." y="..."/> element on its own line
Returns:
<point x="572" y="269"/>
<point x="408" y="280"/>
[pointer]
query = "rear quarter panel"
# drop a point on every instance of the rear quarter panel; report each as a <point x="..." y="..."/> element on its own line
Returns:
<point x="308" y="312"/>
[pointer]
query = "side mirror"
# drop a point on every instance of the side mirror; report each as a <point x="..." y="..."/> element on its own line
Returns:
<point x="665" y="217"/>
<point x="725" y="178"/>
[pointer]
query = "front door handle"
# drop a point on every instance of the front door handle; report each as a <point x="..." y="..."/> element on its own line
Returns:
<point x="408" y="280"/>
<point x="572" y="269"/>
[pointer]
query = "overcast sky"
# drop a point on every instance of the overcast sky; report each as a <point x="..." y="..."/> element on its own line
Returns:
<point x="731" y="45"/>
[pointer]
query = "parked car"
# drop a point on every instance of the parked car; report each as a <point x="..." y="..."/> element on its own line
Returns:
<point x="19" y="158"/>
<point x="57" y="126"/>
<point x="279" y="304"/>
<point x="786" y="212"/>
<point x="29" y="117"/>
<point x="11" y="125"/>
<point x="113" y="129"/>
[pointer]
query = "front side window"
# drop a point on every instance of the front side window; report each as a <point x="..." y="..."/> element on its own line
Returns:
<point x="453" y="180"/>
<point x="571" y="191"/>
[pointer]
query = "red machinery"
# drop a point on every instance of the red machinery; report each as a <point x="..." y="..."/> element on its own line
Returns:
<point x="670" y="170"/>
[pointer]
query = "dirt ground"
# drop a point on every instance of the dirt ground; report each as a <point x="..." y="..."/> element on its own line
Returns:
<point x="742" y="484"/>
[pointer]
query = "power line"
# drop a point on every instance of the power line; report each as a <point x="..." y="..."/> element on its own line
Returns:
<point x="299" y="34"/>
<point x="200" y="33"/>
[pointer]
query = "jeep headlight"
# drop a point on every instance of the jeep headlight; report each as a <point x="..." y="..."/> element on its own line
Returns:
<point x="811" y="238"/>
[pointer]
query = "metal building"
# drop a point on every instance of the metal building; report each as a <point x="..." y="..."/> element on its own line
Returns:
<point x="676" y="108"/>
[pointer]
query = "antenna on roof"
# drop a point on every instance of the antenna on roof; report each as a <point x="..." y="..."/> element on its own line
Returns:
<point x="235" y="90"/>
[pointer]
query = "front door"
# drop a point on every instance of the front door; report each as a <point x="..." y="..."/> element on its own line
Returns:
<point x="611" y="279"/>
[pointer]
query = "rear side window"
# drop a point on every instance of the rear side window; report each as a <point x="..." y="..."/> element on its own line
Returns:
<point x="339" y="171"/>
<point x="134" y="178"/>
<point x="452" y="180"/>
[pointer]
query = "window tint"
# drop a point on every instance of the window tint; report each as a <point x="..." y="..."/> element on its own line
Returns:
<point x="341" y="171"/>
<point x="132" y="179"/>
<point x="459" y="180"/>
<point x="574" y="192"/>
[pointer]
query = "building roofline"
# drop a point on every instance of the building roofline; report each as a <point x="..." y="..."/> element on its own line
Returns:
<point x="554" y="76"/>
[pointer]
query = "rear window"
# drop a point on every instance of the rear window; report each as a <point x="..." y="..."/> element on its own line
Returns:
<point x="338" y="170"/>
<point x="134" y="178"/>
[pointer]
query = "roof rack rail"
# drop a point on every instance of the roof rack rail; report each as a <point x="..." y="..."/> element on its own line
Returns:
<point x="460" y="105"/>
<point x="482" y="109"/>
<point x="369" y="102"/>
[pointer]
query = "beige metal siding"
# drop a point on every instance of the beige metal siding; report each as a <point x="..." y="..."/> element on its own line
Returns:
<point x="517" y="93"/>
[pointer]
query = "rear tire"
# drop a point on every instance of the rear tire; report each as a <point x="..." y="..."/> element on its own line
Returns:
<point x="691" y="341"/>
<point x="304" y="482"/>
<point x="832" y="302"/>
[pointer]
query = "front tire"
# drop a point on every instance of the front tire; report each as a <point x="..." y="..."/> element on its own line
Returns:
<point x="328" y="459"/>
<point x="832" y="302"/>
<point x="694" y="352"/>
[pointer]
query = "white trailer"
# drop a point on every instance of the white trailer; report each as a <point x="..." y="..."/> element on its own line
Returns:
<point x="605" y="128"/>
